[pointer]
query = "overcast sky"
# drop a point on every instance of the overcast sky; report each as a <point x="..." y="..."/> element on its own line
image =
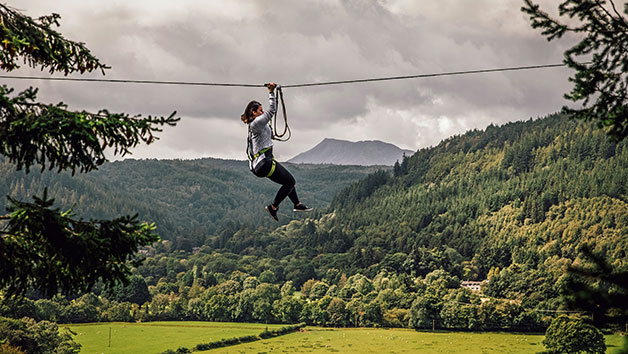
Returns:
<point x="306" y="41"/>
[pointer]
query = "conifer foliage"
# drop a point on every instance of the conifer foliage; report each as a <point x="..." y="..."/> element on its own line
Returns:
<point x="40" y="246"/>
<point x="601" y="72"/>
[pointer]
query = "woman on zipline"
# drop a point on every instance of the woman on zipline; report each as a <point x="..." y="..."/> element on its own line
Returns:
<point x="259" y="149"/>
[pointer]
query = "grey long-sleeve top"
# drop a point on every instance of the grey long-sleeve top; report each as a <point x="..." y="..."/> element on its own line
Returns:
<point x="260" y="134"/>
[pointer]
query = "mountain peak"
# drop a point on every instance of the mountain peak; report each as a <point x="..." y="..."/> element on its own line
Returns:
<point x="343" y="152"/>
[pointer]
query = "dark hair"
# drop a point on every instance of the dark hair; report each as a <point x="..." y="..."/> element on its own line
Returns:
<point x="248" y="111"/>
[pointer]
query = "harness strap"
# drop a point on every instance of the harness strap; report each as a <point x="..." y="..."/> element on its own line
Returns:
<point x="272" y="169"/>
<point x="259" y="153"/>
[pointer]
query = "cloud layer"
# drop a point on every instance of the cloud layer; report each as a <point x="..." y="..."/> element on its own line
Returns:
<point x="293" y="42"/>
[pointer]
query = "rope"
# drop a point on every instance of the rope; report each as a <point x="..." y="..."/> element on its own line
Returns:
<point x="125" y="81"/>
<point x="191" y="83"/>
<point x="452" y="73"/>
<point x="286" y="129"/>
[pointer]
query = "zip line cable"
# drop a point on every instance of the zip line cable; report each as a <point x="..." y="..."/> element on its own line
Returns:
<point x="126" y="81"/>
<point x="324" y="83"/>
<point x="277" y="136"/>
<point x="420" y="76"/>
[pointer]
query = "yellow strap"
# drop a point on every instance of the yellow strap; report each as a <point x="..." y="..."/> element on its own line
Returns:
<point x="260" y="153"/>
<point x="272" y="170"/>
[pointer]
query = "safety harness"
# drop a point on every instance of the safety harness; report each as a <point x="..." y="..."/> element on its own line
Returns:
<point x="260" y="153"/>
<point x="274" y="136"/>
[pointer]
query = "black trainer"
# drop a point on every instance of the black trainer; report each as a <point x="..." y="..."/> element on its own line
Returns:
<point x="302" y="207"/>
<point x="272" y="212"/>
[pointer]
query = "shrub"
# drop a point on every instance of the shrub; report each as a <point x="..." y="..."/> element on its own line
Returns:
<point x="7" y="349"/>
<point x="567" y="335"/>
<point x="245" y="339"/>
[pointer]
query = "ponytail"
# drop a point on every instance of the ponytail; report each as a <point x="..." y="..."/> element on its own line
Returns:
<point x="248" y="112"/>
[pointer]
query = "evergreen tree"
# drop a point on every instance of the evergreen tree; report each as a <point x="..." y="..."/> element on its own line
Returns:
<point x="40" y="246"/>
<point x="603" y="79"/>
<point x="135" y="292"/>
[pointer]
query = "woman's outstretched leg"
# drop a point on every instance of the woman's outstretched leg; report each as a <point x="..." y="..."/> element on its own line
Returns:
<point x="283" y="177"/>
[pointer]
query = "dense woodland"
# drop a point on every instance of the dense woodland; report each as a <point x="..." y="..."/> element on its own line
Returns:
<point x="187" y="199"/>
<point x="513" y="206"/>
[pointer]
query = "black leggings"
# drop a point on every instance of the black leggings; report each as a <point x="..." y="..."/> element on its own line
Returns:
<point x="280" y="175"/>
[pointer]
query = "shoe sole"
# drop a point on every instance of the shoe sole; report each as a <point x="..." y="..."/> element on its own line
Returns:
<point x="301" y="211"/>
<point x="271" y="214"/>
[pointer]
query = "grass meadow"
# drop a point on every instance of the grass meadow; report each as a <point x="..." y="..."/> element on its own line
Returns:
<point x="367" y="340"/>
<point x="155" y="337"/>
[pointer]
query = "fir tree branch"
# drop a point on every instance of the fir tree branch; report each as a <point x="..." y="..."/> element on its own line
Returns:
<point x="620" y="17"/>
<point x="611" y="21"/>
<point x="601" y="84"/>
<point x="49" y="250"/>
<point x="53" y="252"/>
<point x="39" y="45"/>
<point x="54" y="137"/>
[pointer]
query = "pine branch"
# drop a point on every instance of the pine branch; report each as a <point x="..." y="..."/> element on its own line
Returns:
<point x="601" y="84"/>
<point x="41" y="46"/>
<point x="619" y="16"/>
<point x="541" y="19"/>
<point x="615" y="23"/>
<point x="54" y="137"/>
<point x="42" y="247"/>
<point x="589" y="285"/>
<point x="53" y="252"/>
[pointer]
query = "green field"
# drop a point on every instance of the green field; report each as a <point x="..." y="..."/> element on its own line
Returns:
<point x="364" y="340"/>
<point x="155" y="337"/>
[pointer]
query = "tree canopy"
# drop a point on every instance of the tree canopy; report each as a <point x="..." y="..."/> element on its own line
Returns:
<point x="566" y="335"/>
<point x="41" y="246"/>
<point x="600" y="59"/>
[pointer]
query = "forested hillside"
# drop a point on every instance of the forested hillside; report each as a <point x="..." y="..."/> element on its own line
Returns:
<point x="511" y="206"/>
<point x="187" y="199"/>
<point x="494" y="198"/>
<point x="478" y="201"/>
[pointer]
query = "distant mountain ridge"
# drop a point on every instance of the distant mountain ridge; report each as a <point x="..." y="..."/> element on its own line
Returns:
<point x="343" y="152"/>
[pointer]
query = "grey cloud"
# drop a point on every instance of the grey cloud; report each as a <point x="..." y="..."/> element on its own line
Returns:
<point x="310" y="41"/>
